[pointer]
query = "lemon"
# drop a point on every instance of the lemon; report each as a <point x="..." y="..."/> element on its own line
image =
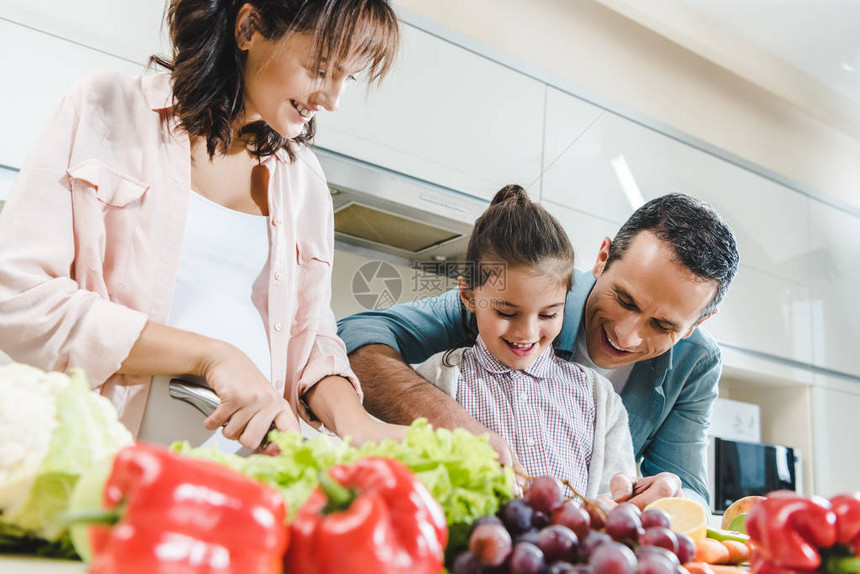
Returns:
<point x="686" y="516"/>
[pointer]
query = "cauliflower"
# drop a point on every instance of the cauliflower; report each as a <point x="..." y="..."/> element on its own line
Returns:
<point x="52" y="428"/>
<point x="28" y="418"/>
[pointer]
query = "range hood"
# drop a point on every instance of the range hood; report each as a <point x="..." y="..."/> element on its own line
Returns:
<point x="392" y="213"/>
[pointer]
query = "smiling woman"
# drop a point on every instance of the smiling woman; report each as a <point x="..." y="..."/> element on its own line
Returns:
<point x="230" y="54"/>
<point x="179" y="224"/>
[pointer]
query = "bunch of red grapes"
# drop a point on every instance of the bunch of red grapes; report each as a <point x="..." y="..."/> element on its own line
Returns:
<point x="544" y="533"/>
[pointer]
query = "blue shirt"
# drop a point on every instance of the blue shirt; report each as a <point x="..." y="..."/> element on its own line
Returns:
<point x="668" y="398"/>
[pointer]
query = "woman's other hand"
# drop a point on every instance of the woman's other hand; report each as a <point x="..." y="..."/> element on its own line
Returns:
<point x="249" y="403"/>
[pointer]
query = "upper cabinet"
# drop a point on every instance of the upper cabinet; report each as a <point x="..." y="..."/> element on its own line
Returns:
<point x="38" y="68"/>
<point x="129" y="30"/>
<point x="445" y="115"/>
<point x="835" y="255"/>
<point x="586" y="233"/>
<point x="45" y="46"/>
<point x="604" y="165"/>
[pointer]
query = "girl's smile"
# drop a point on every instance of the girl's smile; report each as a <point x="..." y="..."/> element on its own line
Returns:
<point x="520" y="349"/>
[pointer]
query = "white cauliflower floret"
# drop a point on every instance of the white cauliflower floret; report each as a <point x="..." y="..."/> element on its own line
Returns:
<point x="52" y="429"/>
<point x="28" y="418"/>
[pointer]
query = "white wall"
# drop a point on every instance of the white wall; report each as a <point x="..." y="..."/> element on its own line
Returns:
<point x="413" y="283"/>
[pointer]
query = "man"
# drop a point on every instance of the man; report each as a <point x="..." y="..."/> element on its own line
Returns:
<point x="635" y="321"/>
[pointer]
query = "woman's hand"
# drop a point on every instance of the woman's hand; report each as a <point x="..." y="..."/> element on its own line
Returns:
<point x="249" y="403"/>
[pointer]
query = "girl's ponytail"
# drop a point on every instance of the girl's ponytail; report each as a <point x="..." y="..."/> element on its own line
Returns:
<point x="512" y="193"/>
<point x="515" y="231"/>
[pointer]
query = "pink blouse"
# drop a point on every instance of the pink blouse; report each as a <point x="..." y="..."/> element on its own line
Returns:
<point x="91" y="234"/>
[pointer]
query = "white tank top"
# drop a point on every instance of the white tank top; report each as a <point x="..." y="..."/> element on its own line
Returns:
<point x="221" y="292"/>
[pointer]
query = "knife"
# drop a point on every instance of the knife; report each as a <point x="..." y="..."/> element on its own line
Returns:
<point x="203" y="399"/>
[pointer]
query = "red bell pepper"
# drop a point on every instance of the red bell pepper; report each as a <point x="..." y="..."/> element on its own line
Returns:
<point x="182" y="515"/>
<point x="789" y="530"/>
<point x="847" y="509"/>
<point x="760" y="565"/>
<point x="371" y="517"/>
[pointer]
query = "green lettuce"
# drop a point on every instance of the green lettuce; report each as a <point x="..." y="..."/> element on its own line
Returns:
<point x="459" y="469"/>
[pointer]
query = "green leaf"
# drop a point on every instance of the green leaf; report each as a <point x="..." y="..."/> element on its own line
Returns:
<point x="460" y="470"/>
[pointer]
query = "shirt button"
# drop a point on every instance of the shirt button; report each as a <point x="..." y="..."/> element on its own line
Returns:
<point x="530" y="441"/>
<point x="279" y="385"/>
<point x="278" y="326"/>
<point x="278" y="276"/>
<point x="524" y="396"/>
<point x="276" y="222"/>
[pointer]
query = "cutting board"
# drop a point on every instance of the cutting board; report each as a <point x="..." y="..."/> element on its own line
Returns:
<point x="31" y="565"/>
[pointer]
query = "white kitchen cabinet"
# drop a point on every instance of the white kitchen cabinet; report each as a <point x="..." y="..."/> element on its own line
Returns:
<point x="607" y="166"/>
<point x="601" y="171"/>
<point x="38" y="68"/>
<point x="586" y="233"/>
<point x="444" y="115"/>
<point x="567" y="119"/>
<point x="130" y="30"/>
<point x="766" y="314"/>
<point x="581" y="150"/>
<point x="835" y="255"/>
<point x="836" y="404"/>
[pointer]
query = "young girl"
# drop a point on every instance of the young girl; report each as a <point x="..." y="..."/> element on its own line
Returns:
<point x="177" y="223"/>
<point x="560" y="418"/>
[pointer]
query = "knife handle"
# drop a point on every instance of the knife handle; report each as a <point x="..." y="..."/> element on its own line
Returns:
<point x="201" y="398"/>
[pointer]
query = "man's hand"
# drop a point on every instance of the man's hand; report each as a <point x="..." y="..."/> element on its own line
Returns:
<point x="643" y="491"/>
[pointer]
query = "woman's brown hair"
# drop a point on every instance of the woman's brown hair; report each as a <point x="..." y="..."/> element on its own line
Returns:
<point x="206" y="65"/>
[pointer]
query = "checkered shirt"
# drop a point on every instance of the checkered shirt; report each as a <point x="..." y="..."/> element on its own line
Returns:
<point x="545" y="412"/>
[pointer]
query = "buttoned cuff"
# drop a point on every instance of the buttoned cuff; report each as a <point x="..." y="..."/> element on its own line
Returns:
<point x="108" y="333"/>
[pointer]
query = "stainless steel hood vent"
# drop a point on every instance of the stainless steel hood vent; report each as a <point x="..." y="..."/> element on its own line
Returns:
<point x="393" y="213"/>
<point x="381" y="227"/>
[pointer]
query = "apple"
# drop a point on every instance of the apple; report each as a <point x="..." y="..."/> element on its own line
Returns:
<point x="738" y="507"/>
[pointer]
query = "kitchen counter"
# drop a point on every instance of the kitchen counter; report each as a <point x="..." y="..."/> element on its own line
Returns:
<point x="30" y="565"/>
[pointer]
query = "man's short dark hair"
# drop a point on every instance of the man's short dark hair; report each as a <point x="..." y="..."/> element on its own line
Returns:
<point x="699" y="237"/>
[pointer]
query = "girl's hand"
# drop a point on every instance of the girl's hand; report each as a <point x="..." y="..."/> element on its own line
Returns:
<point x="249" y="403"/>
<point x="645" y="490"/>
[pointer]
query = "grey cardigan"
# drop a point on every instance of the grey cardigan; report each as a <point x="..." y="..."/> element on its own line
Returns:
<point x="612" y="451"/>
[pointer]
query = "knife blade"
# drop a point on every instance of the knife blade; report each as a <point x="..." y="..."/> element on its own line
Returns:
<point x="203" y="399"/>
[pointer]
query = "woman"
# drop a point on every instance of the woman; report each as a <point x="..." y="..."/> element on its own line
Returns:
<point x="177" y="223"/>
